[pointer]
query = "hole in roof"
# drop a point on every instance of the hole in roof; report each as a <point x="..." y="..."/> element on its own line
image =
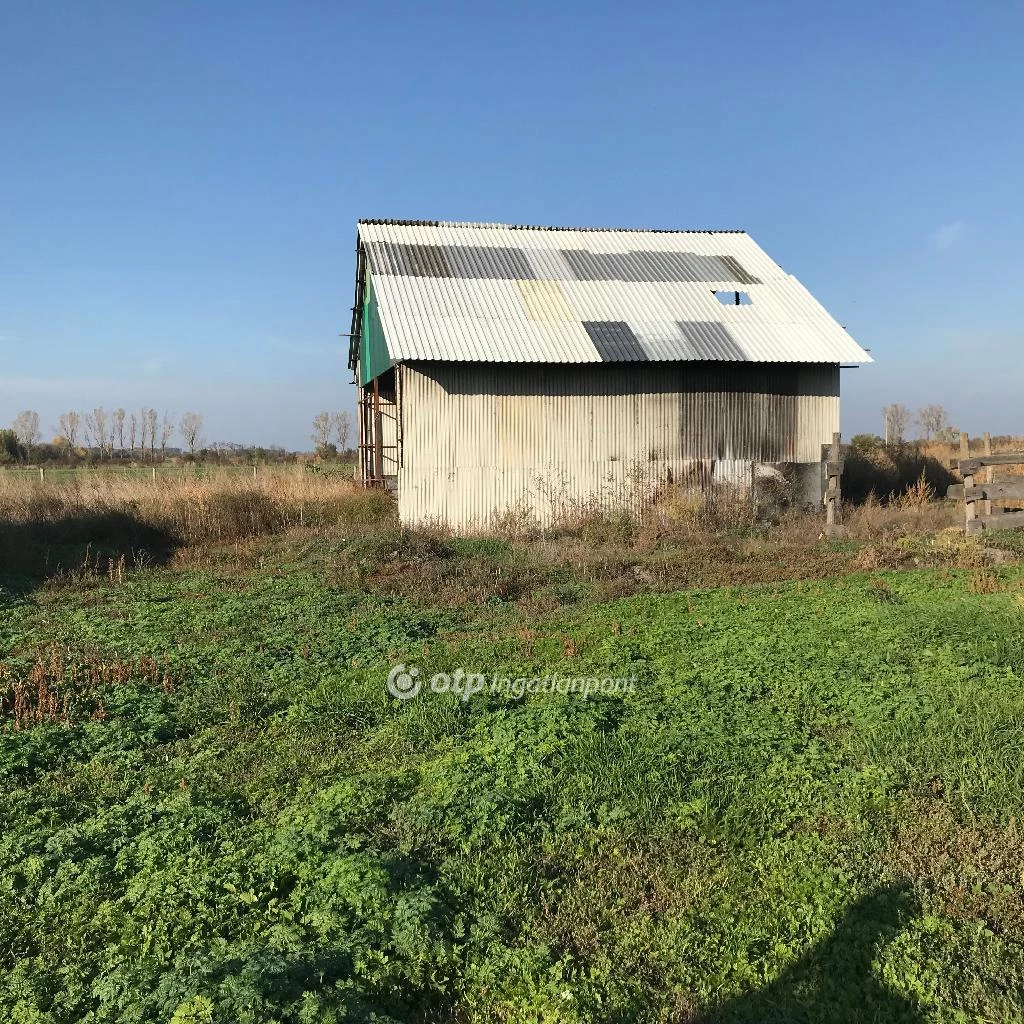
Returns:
<point x="732" y="298"/>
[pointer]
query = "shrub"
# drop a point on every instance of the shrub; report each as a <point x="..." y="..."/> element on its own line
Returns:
<point x="866" y="442"/>
<point x="11" y="449"/>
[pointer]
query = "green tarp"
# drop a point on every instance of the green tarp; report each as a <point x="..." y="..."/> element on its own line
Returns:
<point x="373" y="348"/>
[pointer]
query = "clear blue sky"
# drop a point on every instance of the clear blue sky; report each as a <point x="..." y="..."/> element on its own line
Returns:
<point x="180" y="181"/>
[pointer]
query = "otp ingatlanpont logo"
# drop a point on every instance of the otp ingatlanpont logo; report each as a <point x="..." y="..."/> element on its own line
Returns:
<point x="404" y="683"/>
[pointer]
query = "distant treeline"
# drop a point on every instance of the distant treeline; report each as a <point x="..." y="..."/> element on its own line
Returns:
<point x="144" y="435"/>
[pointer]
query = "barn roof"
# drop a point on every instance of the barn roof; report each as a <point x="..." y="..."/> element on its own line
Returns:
<point x="512" y="293"/>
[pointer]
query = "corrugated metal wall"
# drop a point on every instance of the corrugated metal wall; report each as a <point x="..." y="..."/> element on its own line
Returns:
<point x="480" y="440"/>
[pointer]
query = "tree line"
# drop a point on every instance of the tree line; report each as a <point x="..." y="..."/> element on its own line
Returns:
<point x="116" y="433"/>
<point x="932" y="422"/>
<point x="146" y="434"/>
<point x="328" y="425"/>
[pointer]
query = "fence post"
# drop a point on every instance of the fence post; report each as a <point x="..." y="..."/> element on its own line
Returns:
<point x="970" y="506"/>
<point x="42" y="474"/>
<point x="833" y="489"/>
<point x="988" y="474"/>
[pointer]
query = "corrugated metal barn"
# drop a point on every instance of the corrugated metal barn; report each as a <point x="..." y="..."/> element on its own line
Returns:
<point x="522" y="370"/>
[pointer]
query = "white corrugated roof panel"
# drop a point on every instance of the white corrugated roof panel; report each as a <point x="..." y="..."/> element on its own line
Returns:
<point x="504" y="293"/>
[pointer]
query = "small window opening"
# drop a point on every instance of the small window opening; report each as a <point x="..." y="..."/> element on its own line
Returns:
<point x="732" y="298"/>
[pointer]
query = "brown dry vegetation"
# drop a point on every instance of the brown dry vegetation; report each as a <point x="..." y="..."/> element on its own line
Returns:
<point x="544" y="572"/>
<point x="61" y="685"/>
<point x="217" y="506"/>
<point x="110" y="525"/>
<point x="45" y="526"/>
<point x="949" y="451"/>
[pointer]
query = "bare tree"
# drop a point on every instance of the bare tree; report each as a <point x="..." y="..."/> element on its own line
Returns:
<point x="149" y="425"/>
<point x="96" y="429"/>
<point x="932" y="419"/>
<point x="190" y="425"/>
<point x="100" y="422"/>
<point x="166" y="433"/>
<point x="342" y="423"/>
<point x="896" y="419"/>
<point x="321" y="429"/>
<point x="118" y="428"/>
<point x="133" y="431"/>
<point x="143" y="431"/>
<point x="69" y="425"/>
<point x="26" y="426"/>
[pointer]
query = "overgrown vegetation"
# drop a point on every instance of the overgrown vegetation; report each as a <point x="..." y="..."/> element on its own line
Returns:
<point x="91" y="520"/>
<point x="888" y="471"/>
<point x="806" y="810"/>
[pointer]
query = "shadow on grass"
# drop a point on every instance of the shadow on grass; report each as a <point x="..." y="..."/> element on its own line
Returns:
<point x="835" y="982"/>
<point x="32" y="553"/>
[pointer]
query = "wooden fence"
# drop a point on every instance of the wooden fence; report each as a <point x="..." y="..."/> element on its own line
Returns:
<point x="979" y="489"/>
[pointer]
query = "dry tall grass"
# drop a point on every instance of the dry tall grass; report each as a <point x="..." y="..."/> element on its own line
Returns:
<point x="948" y="452"/>
<point x="128" y="514"/>
<point x="110" y="523"/>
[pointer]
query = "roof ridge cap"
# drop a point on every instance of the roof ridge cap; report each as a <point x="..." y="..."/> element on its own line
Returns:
<point x="544" y="227"/>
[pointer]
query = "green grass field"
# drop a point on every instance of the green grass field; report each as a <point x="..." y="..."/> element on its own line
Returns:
<point x="807" y="810"/>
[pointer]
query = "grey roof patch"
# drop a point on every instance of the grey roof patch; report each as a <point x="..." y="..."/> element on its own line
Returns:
<point x="615" y="341"/>
<point x="498" y="263"/>
<point x="654" y="266"/>
<point x="585" y="266"/>
<point x="405" y="260"/>
<point x="737" y="271"/>
<point x="489" y="262"/>
<point x="709" y="341"/>
<point x="427" y="260"/>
